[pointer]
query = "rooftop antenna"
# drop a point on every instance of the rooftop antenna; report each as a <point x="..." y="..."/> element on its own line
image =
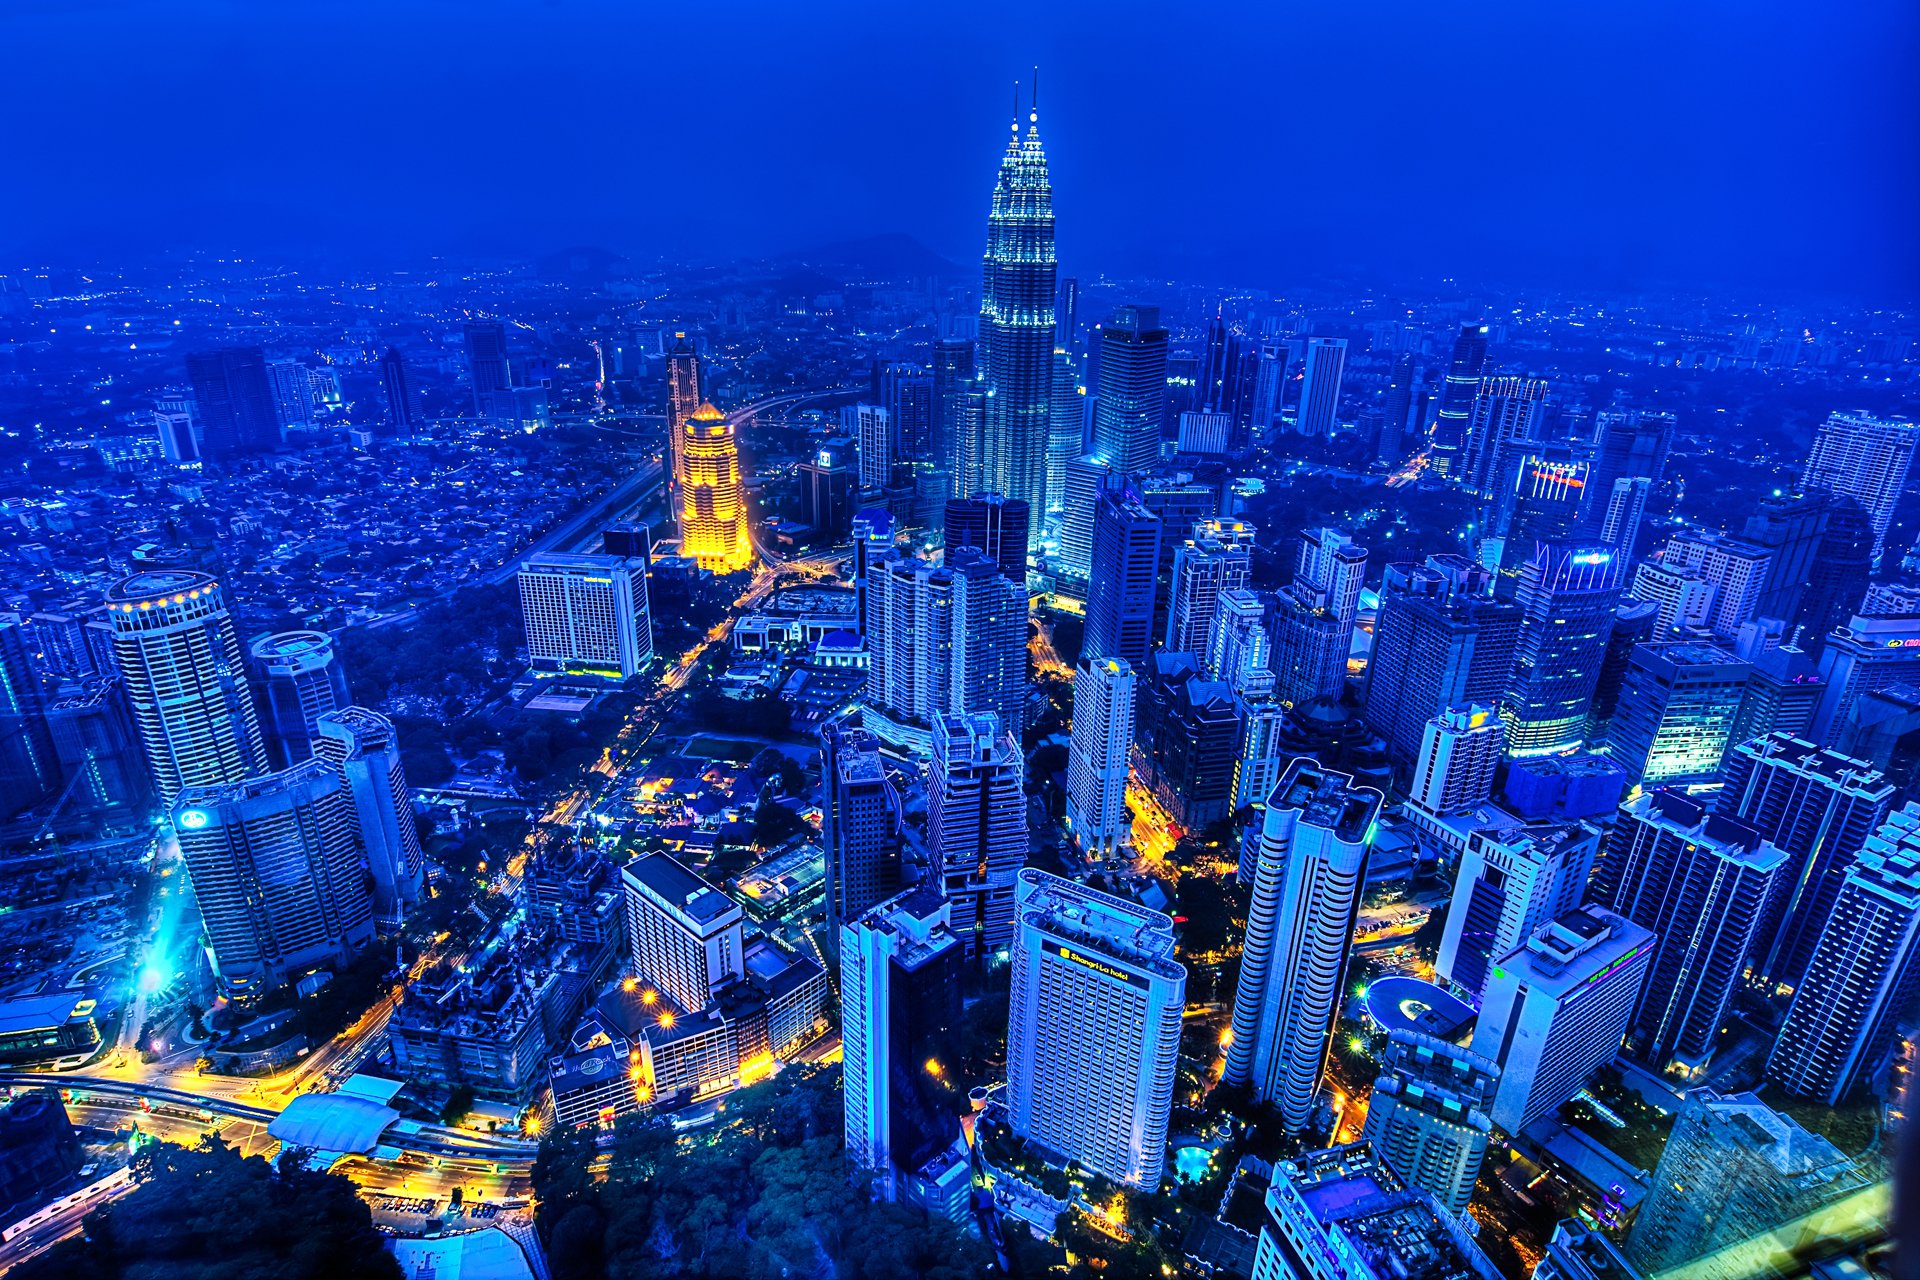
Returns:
<point x="1016" y="106"/>
<point x="1036" y="93"/>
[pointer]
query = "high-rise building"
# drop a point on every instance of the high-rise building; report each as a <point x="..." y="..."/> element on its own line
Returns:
<point x="988" y="647"/>
<point x="586" y="613"/>
<point x="1130" y="407"/>
<point x="1539" y="500"/>
<point x="1555" y="1008"/>
<point x="1634" y="624"/>
<point x="488" y="368"/>
<point x="1188" y="732"/>
<point x="1306" y="895"/>
<point x="292" y="384"/>
<point x="1628" y="445"/>
<point x="1204" y="567"/>
<point x="1126" y="559"/>
<point x="953" y="378"/>
<point x="1456" y="398"/>
<point x="97" y="746"/>
<point x="234" y="399"/>
<point x="1738" y="570"/>
<point x="1863" y="972"/>
<point x="1622" y="512"/>
<point x="860" y="821"/>
<point x="1016" y="325"/>
<point x="683" y="401"/>
<point x="29" y="765"/>
<point x="684" y="935"/>
<point x="1087" y="479"/>
<point x="1427" y="1116"/>
<point x="906" y="392"/>
<point x="1325" y="360"/>
<point x="1505" y="422"/>
<point x="976" y="826"/>
<point x="830" y="488"/>
<point x="178" y="437"/>
<point x="403" y="406"/>
<point x="1580" y="1252"/>
<point x="713" y="506"/>
<point x="1859" y="456"/>
<point x="1513" y="880"/>
<point x="909" y="607"/>
<point x="1066" y="422"/>
<point x="900" y="1006"/>
<point x="1703" y="881"/>
<point x="1458" y="758"/>
<point x="1313" y="622"/>
<point x="996" y="525"/>
<point x="1682" y="599"/>
<point x="1567" y="596"/>
<point x="1104" y="692"/>
<point x="1843" y="564"/>
<point x="1239" y="652"/>
<point x="1734" y="1168"/>
<point x="364" y="750"/>
<point x="1676" y="710"/>
<point x="299" y="679"/>
<point x="873" y="541"/>
<point x="1818" y="807"/>
<point x="174" y="644"/>
<point x="1783" y="691"/>
<point x="276" y="865"/>
<point x="1093" y="1037"/>
<point x="871" y="428"/>
<point x="1866" y="655"/>
<point x="1790" y="526"/>
<point x="1397" y="427"/>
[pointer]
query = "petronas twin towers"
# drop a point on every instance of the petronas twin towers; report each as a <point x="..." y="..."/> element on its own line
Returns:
<point x="1017" y="322"/>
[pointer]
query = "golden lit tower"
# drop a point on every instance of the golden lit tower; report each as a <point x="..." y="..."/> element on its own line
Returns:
<point x="713" y="503"/>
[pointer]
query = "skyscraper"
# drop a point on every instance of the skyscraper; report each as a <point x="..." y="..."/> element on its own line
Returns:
<point x="1087" y="478"/>
<point x="1104" y="691"/>
<point x="713" y="504"/>
<point x="1506" y="420"/>
<point x="1130" y="408"/>
<point x="1513" y="880"/>
<point x="909" y="605"/>
<point x="906" y="392"/>
<point x="996" y="525"/>
<point x="1676" y="710"/>
<point x="1427" y="1117"/>
<point x="1867" y="654"/>
<point x="1239" y="653"/>
<point x="1326" y="359"/>
<point x="300" y="678"/>
<point x="403" y="407"/>
<point x="988" y="646"/>
<point x="953" y="378"/>
<point x="1842" y="567"/>
<point x="1093" y="1036"/>
<point x="292" y="385"/>
<point x="1456" y="397"/>
<point x="1634" y="624"/>
<point x="1567" y="596"/>
<point x="1126" y="561"/>
<point x="97" y="745"/>
<point x="1739" y="571"/>
<point x="1703" y="881"/>
<point x="1306" y="895"/>
<point x="276" y="867"/>
<point x="586" y="613"/>
<point x="1204" y="568"/>
<point x="1016" y="323"/>
<point x="235" y="402"/>
<point x="1458" y="758"/>
<point x="1629" y="445"/>
<point x="1066" y="422"/>
<point x="1555" y="1007"/>
<point x="364" y="750"/>
<point x="683" y="401"/>
<point x="1188" y="732"/>
<point x="1397" y="413"/>
<point x="685" y="936"/>
<point x="1580" y="1252"/>
<point x="976" y="826"/>
<point x="873" y="540"/>
<point x="1859" y="456"/>
<point x="174" y="643"/>
<point x="488" y="369"/>
<point x="860" y="825"/>
<point x="29" y="766"/>
<point x="871" y="428"/>
<point x="1313" y="621"/>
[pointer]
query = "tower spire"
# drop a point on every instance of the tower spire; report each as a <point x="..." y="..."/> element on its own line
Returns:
<point x="1036" y="92"/>
<point x="1016" y="108"/>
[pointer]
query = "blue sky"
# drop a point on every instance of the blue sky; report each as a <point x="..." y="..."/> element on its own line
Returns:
<point x="1764" y="144"/>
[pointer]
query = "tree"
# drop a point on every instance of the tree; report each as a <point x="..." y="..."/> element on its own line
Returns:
<point x="459" y="1103"/>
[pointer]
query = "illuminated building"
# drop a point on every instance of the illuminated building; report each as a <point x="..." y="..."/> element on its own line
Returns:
<point x="1859" y="456"/>
<point x="993" y="524"/>
<point x="1324" y="361"/>
<point x="1104" y="692"/>
<point x="1427" y="1115"/>
<point x="871" y="429"/>
<point x="1739" y="572"/>
<point x="873" y="540"/>
<point x="1539" y="500"/>
<point x="1306" y="895"/>
<point x="363" y="748"/>
<point x="234" y="400"/>
<point x="1677" y="707"/>
<point x="830" y="488"/>
<point x="685" y="935"/>
<point x="300" y="679"/>
<point x="953" y="380"/>
<point x="1126" y="559"/>
<point x="95" y="741"/>
<point x="1630" y="446"/>
<point x="1312" y="624"/>
<point x="586" y="613"/>
<point x="1789" y="526"/>
<point x="1238" y="650"/>
<point x="1505" y="421"/>
<point x="1016" y="325"/>
<point x="977" y="827"/>
<point x="1188" y="731"/>
<point x="1398" y="427"/>
<point x="1456" y="398"/>
<point x="1130" y="386"/>
<point x="1087" y="478"/>
<point x="988" y="648"/>
<point x="1093" y="1036"/>
<point x="174" y="644"/>
<point x="1203" y="568"/>
<point x="1066" y="421"/>
<point x="1512" y="880"/>
<point x="906" y="392"/>
<point x="1579" y="1252"/>
<point x="713" y="504"/>
<point x="1567" y="596"/>
<point x="1555" y="1008"/>
<point x="1869" y="654"/>
<point x="1703" y="881"/>
<point x="860" y="825"/>
<point x="683" y="401"/>
<point x="277" y="872"/>
<point x="1681" y="598"/>
<point x="1634" y="624"/>
<point x="29" y="765"/>
<point x="1458" y="757"/>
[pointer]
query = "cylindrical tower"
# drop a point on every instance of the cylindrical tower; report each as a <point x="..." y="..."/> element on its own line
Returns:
<point x="713" y="504"/>
<point x="301" y="680"/>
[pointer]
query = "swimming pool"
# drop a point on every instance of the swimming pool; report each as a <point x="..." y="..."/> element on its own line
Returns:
<point x="1192" y="1162"/>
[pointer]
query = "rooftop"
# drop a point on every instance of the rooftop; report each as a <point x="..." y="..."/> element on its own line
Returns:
<point x="663" y="874"/>
<point x="1327" y="799"/>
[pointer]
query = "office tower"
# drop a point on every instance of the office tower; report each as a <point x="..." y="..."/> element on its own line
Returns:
<point x="953" y="377"/>
<point x="1562" y="788"/>
<point x="1889" y="599"/>
<point x="403" y="407"/>
<point x="993" y="524"/>
<point x="1790" y="526"/>
<point x="1326" y="359"/>
<point x="860" y="825"/>
<point x="977" y="826"/>
<point x="1269" y="389"/>
<point x="298" y="678"/>
<point x="364" y="750"/>
<point x="1126" y="561"/>
<point x="1624" y="509"/>
<point x="487" y="367"/>
<point x="276" y="867"/>
<point x="909" y="605"/>
<point x="1458" y="757"/>
<point x="1634" y="624"/>
<point x="1512" y="881"/>
<point x="684" y="936"/>
<point x="1258" y="762"/>
<point x="179" y="442"/>
<point x="1683" y="600"/>
<point x="1066" y="423"/>
<point x="1677" y="707"/>
<point x="1306" y="894"/>
<point x="29" y="766"/>
<point x="235" y="402"/>
<point x="870" y="426"/>
<point x="1859" y="456"/>
<point x="683" y="401"/>
<point x="1506" y="421"/>
<point x="1104" y="692"/>
<point x="1567" y="596"/>
<point x="970" y="470"/>
<point x="1131" y="403"/>
<point x="1868" y="654"/>
<point x="1016" y="325"/>
<point x="1555" y="1008"/>
<point x="1539" y="500"/>
<point x="906" y="392"/>
<point x="628" y="539"/>
<point x="1783" y="691"/>
<point x="586" y="613"/>
<point x="1203" y="568"/>
<point x="1703" y="881"/>
<point x="713" y="503"/>
<point x="1188" y="731"/>
<point x="1817" y="806"/>
<point x="830" y="488"/>
<point x="1427" y="1117"/>
<point x="292" y="385"/>
<point x="1093" y="1035"/>
<point x="1863" y="972"/>
<point x="1313" y="623"/>
<point x="873" y="541"/>
<point x="1239" y="653"/>
<point x="1734" y="1168"/>
<point x="1884" y="727"/>
<point x="900" y="1006"/>
<point x="97" y="746"/>
<point x="1738" y="570"/>
<point x="1343" y="1214"/>
<point x="1456" y="398"/>
<point x="174" y="644"/>
<point x="1579" y="1252"/>
<point x="989" y="641"/>
<point x="1437" y="643"/>
<point x="1216" y="378"/>
<point x="1838" y="581"/>
<point x="1203" y="435"/>
<point x="1628" y="444"/>
<point x="1087" y="479"/>
<point x="1396" y="429"/>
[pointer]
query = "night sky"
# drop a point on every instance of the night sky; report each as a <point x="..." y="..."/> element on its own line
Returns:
<point x="1769" y="144"/>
